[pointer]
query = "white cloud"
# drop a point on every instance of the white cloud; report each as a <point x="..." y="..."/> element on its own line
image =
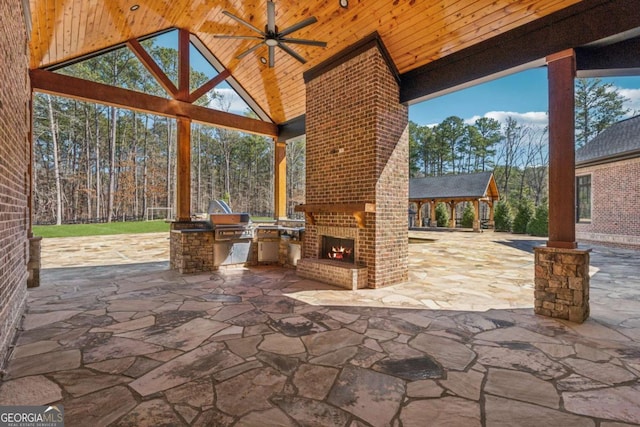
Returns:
<point x="534" y="119"/>
<point x="230" y="101"/>
<point x="634" y="99"/>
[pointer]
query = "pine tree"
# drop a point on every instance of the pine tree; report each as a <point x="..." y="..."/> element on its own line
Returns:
<point x="598" y="106"/>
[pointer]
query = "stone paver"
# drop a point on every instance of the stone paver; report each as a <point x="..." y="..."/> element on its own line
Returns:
<point x="457" y="345"/>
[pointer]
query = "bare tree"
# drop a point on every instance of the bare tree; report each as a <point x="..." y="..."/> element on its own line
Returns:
<point x="56" y="163"/>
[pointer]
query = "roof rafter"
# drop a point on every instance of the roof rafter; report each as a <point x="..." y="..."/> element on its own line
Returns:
<point x="85" y="90"/>
<point x="152" y="66"/>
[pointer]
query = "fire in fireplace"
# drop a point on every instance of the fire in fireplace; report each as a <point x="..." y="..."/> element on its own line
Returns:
<point x="338" y="249"/>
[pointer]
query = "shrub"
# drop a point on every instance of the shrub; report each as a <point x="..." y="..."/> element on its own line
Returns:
<point x="442" y="215"/>
<point x="523" y="216"/>
<point x="539" y="224"/>
<point x="467" y="216"/>
<point x="503" y="216"/>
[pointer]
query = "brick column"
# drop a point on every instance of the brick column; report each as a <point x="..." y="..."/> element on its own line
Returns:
<point x="357" y="153"/>
<point x="562" y="283"/>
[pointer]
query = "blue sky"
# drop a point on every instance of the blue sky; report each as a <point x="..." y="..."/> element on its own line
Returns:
<point x="522" y="95"/>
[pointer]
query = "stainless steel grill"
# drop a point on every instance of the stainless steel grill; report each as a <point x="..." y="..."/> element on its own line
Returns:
<point x="232" y="234"/>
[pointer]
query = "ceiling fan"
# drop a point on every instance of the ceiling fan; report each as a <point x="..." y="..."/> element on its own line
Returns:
<point x="272" y="37"/>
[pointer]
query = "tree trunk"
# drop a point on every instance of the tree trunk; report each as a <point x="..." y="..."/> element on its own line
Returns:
<point x="87" y="138"/>
<point x="56" y="166"/>
<point x="112" y="163"/>
<point x="98" y="178"/>
<point x="144" y="166"/>
<point x="168" y="166"/>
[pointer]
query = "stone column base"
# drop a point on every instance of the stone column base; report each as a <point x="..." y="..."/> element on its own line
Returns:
<point x="191" y="251"/>
<point x="562" y="283"/>
<point x="34" y="264"/>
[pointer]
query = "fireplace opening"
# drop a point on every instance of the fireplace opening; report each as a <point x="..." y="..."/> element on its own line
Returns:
<point x="338" y="249"/>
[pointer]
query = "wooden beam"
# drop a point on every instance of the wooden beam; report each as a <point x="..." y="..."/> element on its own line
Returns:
<point x="609" y="60"/>
<point x="183" y="169"/>
<point x="292" y="128"/>
<point x="562" y="191"/>
<point x="358" y="210"/>
<point x="153" y="68"/>
<point x="183" y="65"/>
<point x="337" y="207"/>
<point x="196" y="94"/>
<point x="577" y="25"/>
<point x="280" y="181"/>
<point x="84" y="90"/>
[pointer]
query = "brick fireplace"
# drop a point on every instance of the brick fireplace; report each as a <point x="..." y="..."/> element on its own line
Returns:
<point x="357" y="168"/>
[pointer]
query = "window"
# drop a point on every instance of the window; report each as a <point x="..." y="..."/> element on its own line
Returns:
<point x="583" y="196"/>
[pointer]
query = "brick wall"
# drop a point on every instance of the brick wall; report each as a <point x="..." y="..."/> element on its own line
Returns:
<point x="615" y="204"/>
<point x="357" y="152"/>
<point x="14" y="161"/>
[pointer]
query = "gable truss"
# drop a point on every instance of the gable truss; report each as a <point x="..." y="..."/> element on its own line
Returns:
<point x="182" y="100"/>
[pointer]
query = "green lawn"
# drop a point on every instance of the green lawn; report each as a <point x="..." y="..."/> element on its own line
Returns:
<point x="74" y="230"/>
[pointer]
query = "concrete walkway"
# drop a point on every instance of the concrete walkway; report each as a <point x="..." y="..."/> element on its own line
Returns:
<point x="458" y="345"/>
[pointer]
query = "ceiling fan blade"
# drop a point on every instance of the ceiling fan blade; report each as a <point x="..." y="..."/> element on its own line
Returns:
<point x="271" y="16"/>
<point x="292" y="53"/>
<point x="243" y="22"/>
<point x="305" y="42"/>
<point x="272" y="56"/>
<point x="225" y="36"/>
<point x="248" y="51"/>
<point x="295" y="27"/>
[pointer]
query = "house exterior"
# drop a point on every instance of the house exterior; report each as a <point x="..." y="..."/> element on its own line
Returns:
<point x="608" y="186"/>
<point x="15" y="160"/>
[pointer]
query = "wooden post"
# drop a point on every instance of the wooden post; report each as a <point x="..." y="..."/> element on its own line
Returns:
<point x="433" y="222"/>
<point x="452" y="218"/>
<point x="476" y="215"/>
<point x="492" y="222"/>
<point x="183" y="172"/>
<point x="280" y="181"/>
<point x="419" y="214"/>
<point x="183" y="65"/>
<point x="562" y="193"/>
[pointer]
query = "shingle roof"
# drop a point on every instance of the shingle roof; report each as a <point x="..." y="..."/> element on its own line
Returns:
<point x="618" y="139"/>
<point x="473" y="185"/>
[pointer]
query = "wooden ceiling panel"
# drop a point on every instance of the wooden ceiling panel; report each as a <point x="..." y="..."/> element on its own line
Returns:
<point x="415" y="33"/>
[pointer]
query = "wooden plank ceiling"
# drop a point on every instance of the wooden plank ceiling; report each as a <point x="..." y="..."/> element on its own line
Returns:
<point x="415" y="32"/>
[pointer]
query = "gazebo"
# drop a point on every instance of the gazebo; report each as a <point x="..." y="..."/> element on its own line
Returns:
<point x="474" y="188"/>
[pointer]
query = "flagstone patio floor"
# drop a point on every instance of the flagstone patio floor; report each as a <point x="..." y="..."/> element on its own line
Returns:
<point x="130" y="343"/>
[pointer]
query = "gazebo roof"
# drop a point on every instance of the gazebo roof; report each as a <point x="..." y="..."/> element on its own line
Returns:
<point x="619" y="141"/>
<point x="467" y="186"/>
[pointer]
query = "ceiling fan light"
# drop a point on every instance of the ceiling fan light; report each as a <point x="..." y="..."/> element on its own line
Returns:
<point x="134" y="7"/>
<point x="263" y="60"/>
<point x="271" y="42"/>
<point x="344" y="3"/>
